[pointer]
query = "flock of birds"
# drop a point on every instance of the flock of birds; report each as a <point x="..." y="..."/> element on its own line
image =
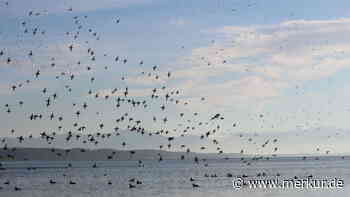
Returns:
<point x="121" y="98"/>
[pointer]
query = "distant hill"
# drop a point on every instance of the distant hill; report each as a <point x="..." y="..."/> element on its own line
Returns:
<point x="133" y="140"/>
<point x="76" y="154"/>
<point x="109" y="148"/>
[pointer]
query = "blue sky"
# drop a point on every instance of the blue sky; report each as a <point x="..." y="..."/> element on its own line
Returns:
<point x="287" y="60"/>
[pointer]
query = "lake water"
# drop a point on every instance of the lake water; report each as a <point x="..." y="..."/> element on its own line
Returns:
<point x="168" y="178"/>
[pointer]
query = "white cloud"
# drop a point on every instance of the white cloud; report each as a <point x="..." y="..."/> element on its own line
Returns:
<point x="145" y="80"/>
<point x="265" y="59"/>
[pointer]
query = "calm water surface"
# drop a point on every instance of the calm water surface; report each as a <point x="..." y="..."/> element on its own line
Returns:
<point x="168" y="178"/>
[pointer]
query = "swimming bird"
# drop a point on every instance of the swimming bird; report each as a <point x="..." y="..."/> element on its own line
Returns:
<point x="131" y="186"/>
<point x="72" y="182"/>
<point x="195" y="185"/>
<point x="17" y="188"/>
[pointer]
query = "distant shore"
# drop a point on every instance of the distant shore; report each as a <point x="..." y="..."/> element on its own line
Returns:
<point x="80" y="154"/>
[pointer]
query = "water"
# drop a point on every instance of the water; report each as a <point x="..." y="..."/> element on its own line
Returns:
<point x="168" y="178"/>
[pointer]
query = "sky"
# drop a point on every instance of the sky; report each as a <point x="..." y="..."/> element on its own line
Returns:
<point x="278" y="69"/>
